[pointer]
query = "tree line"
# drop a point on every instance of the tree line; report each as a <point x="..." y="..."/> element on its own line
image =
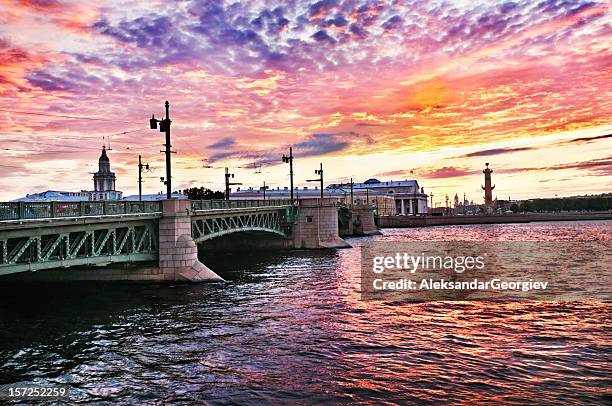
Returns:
<point x="201" y="193"/>
<point x="565" y="204"/>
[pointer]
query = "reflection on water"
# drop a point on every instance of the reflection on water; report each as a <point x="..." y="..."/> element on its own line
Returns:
<point x="290" y="327"/>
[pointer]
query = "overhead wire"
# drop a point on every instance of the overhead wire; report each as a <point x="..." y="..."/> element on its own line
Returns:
<point x="40" y="113"/>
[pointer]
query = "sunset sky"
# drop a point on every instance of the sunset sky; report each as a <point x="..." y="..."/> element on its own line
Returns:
<point x="395" y="90"/>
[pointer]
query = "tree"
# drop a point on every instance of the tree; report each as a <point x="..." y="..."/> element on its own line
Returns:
<point x="201" y="193"/>
<point x="526" y="206"/>
<point x="514" y="207"/>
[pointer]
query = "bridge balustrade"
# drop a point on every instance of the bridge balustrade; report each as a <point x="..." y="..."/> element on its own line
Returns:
<point x="236" y="204"/>
<point x="42" y="210"/>
<point x="45" y="210"/>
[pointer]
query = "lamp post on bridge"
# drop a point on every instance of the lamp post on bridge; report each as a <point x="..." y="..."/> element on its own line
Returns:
<point x="164" y="126"/>
<point x="141" y="166"/>
<point x="264" y="188"/>
<point x="229" y="176"/>
<point x="320" y="179"/>
<point x="289" y="160"/>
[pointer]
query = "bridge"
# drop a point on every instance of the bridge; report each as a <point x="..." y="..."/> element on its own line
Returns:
<point x="106" y="239"/>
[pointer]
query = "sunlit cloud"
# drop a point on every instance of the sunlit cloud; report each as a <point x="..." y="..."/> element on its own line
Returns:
<point x="427" y="89"/>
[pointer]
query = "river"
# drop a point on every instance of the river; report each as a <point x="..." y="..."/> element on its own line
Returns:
<point x="289" y="327"/>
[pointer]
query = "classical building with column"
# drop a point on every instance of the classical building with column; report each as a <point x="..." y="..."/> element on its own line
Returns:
<point x="403" y="197"/>
<point x="410" y="199"/>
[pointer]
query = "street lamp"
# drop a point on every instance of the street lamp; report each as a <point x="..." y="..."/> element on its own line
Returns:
<point x="264" y="188"/>
<point x="164" y="126"/>
<point x="320" y="179"/>
<point x="289" y="160"/>
<point x="141" y="166"/>
<point x="229" y="176"/>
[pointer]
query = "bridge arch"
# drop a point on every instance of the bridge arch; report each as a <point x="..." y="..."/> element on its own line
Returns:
<point x="209" y="226"/>
<point x="235" y="231"/>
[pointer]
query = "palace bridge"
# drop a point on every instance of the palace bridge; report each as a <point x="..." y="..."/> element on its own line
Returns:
<point x="107" y="240"/>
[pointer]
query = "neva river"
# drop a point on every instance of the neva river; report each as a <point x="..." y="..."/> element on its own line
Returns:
<point x="290" y="328"/>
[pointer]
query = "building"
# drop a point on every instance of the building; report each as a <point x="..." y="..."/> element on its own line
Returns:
<point x="152" y="198"/>
<point x="55" y="196"/>
<point x="104" y="187"/>
<point x="104" y="181"/>
<point x="408" y="197"/>
<point x="390" y="198"/>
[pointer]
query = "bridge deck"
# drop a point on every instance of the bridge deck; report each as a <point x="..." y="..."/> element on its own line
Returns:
<point x="44" y="235"/>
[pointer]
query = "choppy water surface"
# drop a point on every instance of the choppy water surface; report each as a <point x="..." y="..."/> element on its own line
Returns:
<point x="290" y="328"/>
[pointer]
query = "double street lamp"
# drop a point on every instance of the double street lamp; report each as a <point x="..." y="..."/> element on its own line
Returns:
<point x="289" y="160"/>
<point x="320" y="179"/>
<point x="164" y="126"/>
<point x="141" y="166"/>
<point x="229" y="176"/>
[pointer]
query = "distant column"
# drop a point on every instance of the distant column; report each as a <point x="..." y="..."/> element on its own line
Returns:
<point x="488" y="189"/>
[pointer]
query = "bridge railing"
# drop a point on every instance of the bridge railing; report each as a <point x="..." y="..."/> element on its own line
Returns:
<point x="236" y="204"/>
<point x="42" y="210"/>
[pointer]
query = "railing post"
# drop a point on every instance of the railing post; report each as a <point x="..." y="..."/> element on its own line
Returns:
<point x="21" y="213"/>
<point x="53" y="209"/>
<point x="104" y="208"/>
<point x="81" y="209"/>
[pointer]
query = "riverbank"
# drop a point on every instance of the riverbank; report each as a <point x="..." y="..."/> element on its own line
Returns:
<point x="426" y="221"/>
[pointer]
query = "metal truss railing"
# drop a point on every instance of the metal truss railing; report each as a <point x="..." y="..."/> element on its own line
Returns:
<point x="206" y="227"/>
<point x="41" y="210"/>
<point x="236" y="204"/>
<point x="74" y="245"/>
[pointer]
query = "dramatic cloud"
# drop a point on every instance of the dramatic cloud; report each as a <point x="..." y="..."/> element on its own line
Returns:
<point x="601" y="167"/>
<point x="376" y="85"/>
<point x="496" y="151"/>
<point x="224" y="143"/>
<point x="447" y="172"/>
<point x="590" y="139"/>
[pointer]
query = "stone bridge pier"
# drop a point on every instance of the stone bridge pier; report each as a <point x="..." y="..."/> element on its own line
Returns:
<point x="316" y="225"/>
<point x="178" y="252"/>
<point x="359" y="221"/>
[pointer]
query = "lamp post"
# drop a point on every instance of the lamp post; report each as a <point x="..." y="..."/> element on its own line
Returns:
<point x="352" y="200"/>
<point x="264" y="188"/>
<point x="164" y="126"/>
<point x="229" y="176"/>
<point x="141" y="166"/>
<point x="320" y="179"/>
<point x="289" y="160"/>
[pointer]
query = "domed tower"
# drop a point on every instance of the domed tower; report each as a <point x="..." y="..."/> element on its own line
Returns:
<point x="104" y="179"/>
